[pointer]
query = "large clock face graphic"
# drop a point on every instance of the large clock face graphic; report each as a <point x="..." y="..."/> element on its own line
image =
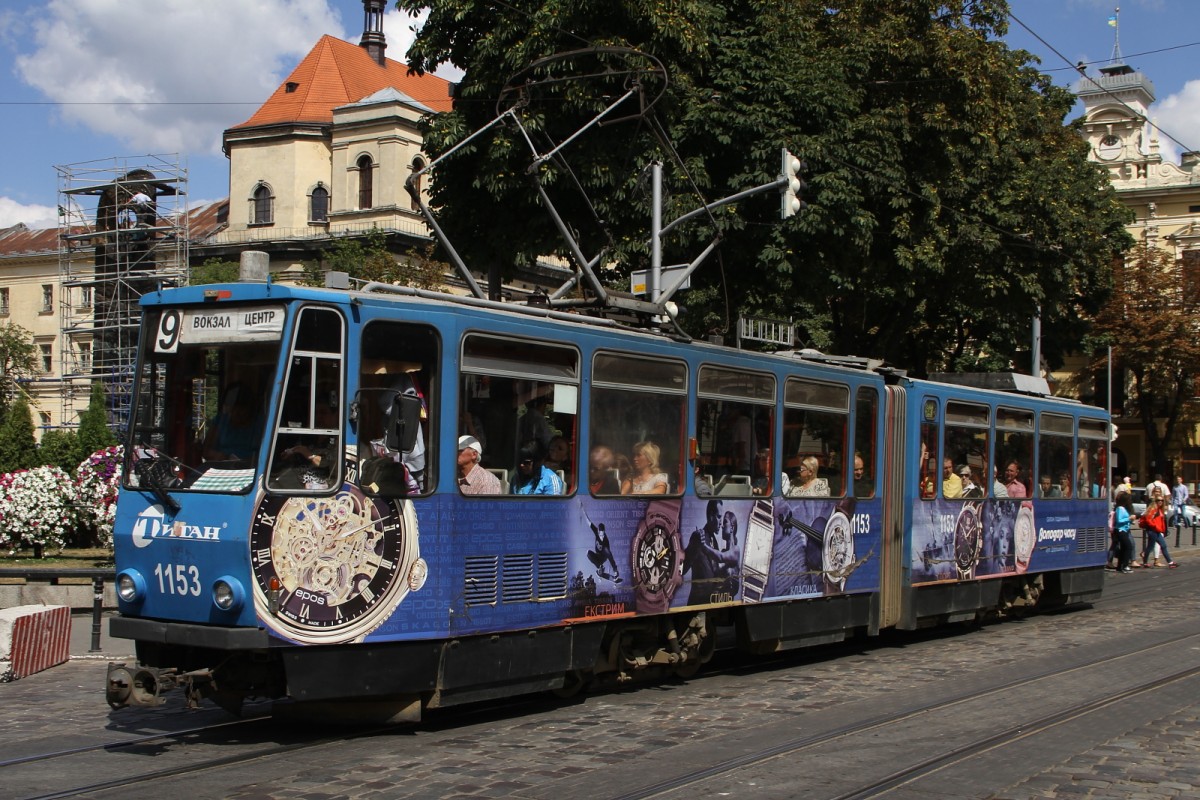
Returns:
<point x="837" y="551"/>
<point x="968" y="537"/>
<point x="1024" y="536"/>
<point x="331" y="569"/>
<point x="657" y="557"/>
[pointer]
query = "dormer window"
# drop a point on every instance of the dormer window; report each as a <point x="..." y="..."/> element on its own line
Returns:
<point x="290" y="87"/>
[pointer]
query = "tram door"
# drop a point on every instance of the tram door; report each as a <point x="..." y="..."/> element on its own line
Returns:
<point x="892" y="535"/>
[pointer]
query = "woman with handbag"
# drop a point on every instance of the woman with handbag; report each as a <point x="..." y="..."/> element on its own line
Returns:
<point x="1154" y="522"/>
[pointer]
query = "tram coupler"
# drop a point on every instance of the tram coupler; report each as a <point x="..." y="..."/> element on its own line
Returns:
<point x="145" y="686"/>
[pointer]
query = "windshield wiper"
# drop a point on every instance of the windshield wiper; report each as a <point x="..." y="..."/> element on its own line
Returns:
<point x="154" y="470"/>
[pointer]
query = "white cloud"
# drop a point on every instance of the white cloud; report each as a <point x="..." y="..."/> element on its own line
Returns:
<point x="1179" y="116"/>
<point x="169" y="76"/>
<point x="34" y="216"/>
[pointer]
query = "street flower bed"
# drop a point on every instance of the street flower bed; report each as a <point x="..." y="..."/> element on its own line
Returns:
<point x="36" y="509"/>
<point x="44" y="508"/>
<point x="97" y="478"/>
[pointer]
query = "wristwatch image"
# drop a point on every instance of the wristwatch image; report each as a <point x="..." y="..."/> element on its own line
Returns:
<point x="331" y="569"/>
<point x="657" y="555"/>
<point x="968" y="538"/>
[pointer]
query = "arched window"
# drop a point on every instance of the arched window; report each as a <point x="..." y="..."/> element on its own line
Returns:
<point x="263" y="207"/>
<point x="365" y="176"/>
<point x="318" y="207"/>
<point x="417" y="165"/>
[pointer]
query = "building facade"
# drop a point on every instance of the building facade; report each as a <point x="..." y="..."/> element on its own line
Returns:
<point x="1165" y="200"/>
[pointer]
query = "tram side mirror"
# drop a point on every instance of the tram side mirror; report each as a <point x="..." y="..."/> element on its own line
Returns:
<point x="403" y="423"/>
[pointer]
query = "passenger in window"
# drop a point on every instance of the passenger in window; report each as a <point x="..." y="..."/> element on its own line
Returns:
<point x="624" y="473"/>
<point x="951" y="483"/>
<point x="532" y="476"/>
<point x="761" y="483"/>
<point x="1013" y="484"/>
<point x="702" y="484"/>
<point x="558" y="457"/>
<point x="534" y="424"/>
<point x="472" y="478"/>
<point x="601" y="466"/>
<point x="646" y="478"/>
<point x="925" y="482"/>
<point x="863" y="486"/>
<point x="970" y="489"/>
<point x="1046" y="487"/>
<point x="807" y="484"/>
<point x="998" y="487"/>
<point x="1064" y="482"/>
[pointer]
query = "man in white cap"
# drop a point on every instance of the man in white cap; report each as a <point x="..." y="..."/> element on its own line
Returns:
<point x="472" y="478"/>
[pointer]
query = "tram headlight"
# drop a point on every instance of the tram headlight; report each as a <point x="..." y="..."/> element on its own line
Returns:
<point x="131" y="586"/>
<point x="227" y="593"/>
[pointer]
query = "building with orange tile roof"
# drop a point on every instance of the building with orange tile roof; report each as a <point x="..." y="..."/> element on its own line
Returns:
<point x="328" y="153"/>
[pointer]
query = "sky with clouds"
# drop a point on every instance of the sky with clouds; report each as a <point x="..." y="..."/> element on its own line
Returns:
<point x="84" y="80"/>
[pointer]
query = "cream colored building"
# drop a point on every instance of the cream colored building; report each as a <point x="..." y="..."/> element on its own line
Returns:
<point x="1165" y="200"/>
<point x="30" y="296"/>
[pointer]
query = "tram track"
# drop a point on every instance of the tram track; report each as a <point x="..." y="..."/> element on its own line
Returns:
<point x="1007" y="736"/>
<point x="928" y="766"/>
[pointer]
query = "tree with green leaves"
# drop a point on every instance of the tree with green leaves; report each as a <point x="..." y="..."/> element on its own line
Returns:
<point x="94" y="433"/>
<point x="1152" y="322"/>
<point x="947" y="202"/>
<point x="368" y="258"/>
<point x="18" y="359"/>
<point x="18" y="448"/>
<point x="215" y="270"/>
<point x="60" y="448"/>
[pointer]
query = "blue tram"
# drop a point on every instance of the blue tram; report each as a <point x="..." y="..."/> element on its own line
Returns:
<point x="301" y="514"/>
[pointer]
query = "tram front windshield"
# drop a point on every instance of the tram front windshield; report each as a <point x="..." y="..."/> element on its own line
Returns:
<point x="203" y="383"/>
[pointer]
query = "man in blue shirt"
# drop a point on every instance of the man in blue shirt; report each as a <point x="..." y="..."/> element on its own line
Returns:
<point x="1179" y="498"/>
<point x="533" y="476"/>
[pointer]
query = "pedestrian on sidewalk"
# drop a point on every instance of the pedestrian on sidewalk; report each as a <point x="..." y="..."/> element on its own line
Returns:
<point x="1122" y="519"/>
<point x="1154" y="523"/>
<point x="1179" y="498"/>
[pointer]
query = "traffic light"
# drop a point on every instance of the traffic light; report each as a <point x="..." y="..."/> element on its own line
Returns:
<point x="792" y="187"/>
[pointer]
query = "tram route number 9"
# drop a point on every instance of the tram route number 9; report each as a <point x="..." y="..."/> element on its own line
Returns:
<point x="170" y="324"/>
<point x="179" y="579"/>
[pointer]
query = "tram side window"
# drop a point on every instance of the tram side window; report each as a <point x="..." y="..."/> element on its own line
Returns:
<point x="307" y="451"/>
<point x="927" y="470"/>
<point x="734" y="433"/>
<point x="638" y="408"/>
<point x="965" y="451"/>
<point x="1055" y="475"/>
<point x="816" y="422"/>
<point x="519" y="403"/>
<point x="865" y="404"/>
<point x="1014" y="452"/>
<point x="394" y="409"/>
<point x="1091" y="473"/>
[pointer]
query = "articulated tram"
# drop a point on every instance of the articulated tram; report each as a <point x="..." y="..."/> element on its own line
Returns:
<point x="293" y="522"/>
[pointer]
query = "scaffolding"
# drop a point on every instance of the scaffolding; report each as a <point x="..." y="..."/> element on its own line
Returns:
<point x="123" y="232"/>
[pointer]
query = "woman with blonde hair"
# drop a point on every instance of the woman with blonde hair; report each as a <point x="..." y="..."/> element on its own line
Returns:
<point x="646" y="478"/>
<point x="807" y="484"/>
